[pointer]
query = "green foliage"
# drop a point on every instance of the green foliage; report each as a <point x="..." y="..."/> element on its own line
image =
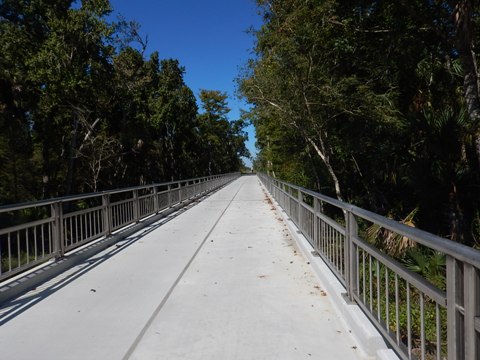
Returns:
<point x="390" y="297"/>
<point x="391" y="243"/>
<point x="224" y="141"/>
<point x="429" y="264"/>
<point x="365" y="100"/>
<point x="82" y="109"/>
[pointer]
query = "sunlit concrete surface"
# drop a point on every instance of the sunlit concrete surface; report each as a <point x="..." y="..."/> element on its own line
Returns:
<point x="222" y="280"/>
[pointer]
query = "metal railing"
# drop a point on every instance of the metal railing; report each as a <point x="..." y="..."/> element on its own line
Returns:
<point x="32" y="233"/>
<point x="419" y="318"/>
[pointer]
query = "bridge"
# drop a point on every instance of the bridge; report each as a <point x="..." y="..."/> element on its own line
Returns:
<point x="223" y="267"/>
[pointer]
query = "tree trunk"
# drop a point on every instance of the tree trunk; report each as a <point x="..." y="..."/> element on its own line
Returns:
<point x="329" y="167"/>
<point x="464" y="37"/>
<point x="71" y="161"/>
<point x="315" y="172"/>
<point x="460" y="219"/>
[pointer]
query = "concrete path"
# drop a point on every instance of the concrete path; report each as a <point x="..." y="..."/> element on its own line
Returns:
<point x="223" y="280"/>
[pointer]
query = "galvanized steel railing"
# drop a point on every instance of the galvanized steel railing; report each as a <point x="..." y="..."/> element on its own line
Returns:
<point x="419" y="319"/>
<point x="32" y="233"/>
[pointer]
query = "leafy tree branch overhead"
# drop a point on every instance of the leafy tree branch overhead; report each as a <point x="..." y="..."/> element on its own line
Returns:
<point x="375" y="102"/>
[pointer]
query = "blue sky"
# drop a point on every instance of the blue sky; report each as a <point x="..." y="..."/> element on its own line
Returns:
<point x="208" y="37"/>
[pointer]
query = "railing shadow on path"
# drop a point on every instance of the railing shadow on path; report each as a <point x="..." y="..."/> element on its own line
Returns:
<point x="13" y="308"/>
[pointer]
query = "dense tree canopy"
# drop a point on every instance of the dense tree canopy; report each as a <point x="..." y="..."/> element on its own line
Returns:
<point x="375" y="102"/>
<point x="82" y="109"/>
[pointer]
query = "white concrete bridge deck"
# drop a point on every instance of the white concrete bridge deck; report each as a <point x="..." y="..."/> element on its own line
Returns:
<point x="223" y="280"/>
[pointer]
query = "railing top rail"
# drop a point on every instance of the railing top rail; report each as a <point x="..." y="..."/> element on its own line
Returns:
<point x="446" y="246"/>
<point x="25" y="205"/>
<point x="457" y="250"/>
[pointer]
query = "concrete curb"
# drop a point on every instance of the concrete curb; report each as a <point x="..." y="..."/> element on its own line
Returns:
<point x="372" y="343"/>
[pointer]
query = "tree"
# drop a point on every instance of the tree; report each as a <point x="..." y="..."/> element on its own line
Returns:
<point x="371" y="94"/>
<point x="23" y="30"/>
<point x="300" y="75"/>
<point x="465" y="15"/>
<point x="174" y="113"/>
<point x="60" y="58"/>
<point x="71" y="69"/>
<point x="135" y="81"/>
<point x="223" y="141"/>
<point x="83" y="109"/>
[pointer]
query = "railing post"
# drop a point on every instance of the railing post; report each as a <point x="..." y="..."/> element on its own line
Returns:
<point x="156" y="205"/>
<point x="169" y="195"/>
<point x="106" y="211"/>
<point x="472" y="311"/>
<point x="321" y="228"/>
<point x="351" y="265"/>
<point x="288" y="202"/>
<point x="179" y="192"/>
<point x="463" y="310"/>
<point x="315" y="224"/>
<point x="300" y="217"/>
<point x="455" y="320"/>
<point x="136" y="206"/>
<point x="57" y="231"/>
<point x="286" y="196"/>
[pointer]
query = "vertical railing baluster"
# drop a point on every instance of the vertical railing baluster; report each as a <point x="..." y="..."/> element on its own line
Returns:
<point x="43" y="240"/>
<point x="438" y="331"/>
<point x="379" y="308"/>
<point x="299" y="210"/>
<point x="409" y="322"/>
<point x="364" y="277"/>
<point x="35" y="242"/>
<point x="387" y="300"/>
<point x="370" y="282"/>
<point x="9" y="246"/>
<point x="19" y="257"/>
<point x="422" y="324"/>
<point x="27" y="240"/>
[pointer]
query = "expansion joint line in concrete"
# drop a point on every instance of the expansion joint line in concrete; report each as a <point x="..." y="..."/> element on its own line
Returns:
<point x="174" y="285"/>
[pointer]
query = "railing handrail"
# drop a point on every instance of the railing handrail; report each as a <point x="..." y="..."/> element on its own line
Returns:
<point x="460" y="251"/>
<point x="62" y="199"/>
<point x="57" y="229"/>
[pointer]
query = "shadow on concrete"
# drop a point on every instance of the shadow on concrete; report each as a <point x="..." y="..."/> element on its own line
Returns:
<point x="13" y="308"/>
